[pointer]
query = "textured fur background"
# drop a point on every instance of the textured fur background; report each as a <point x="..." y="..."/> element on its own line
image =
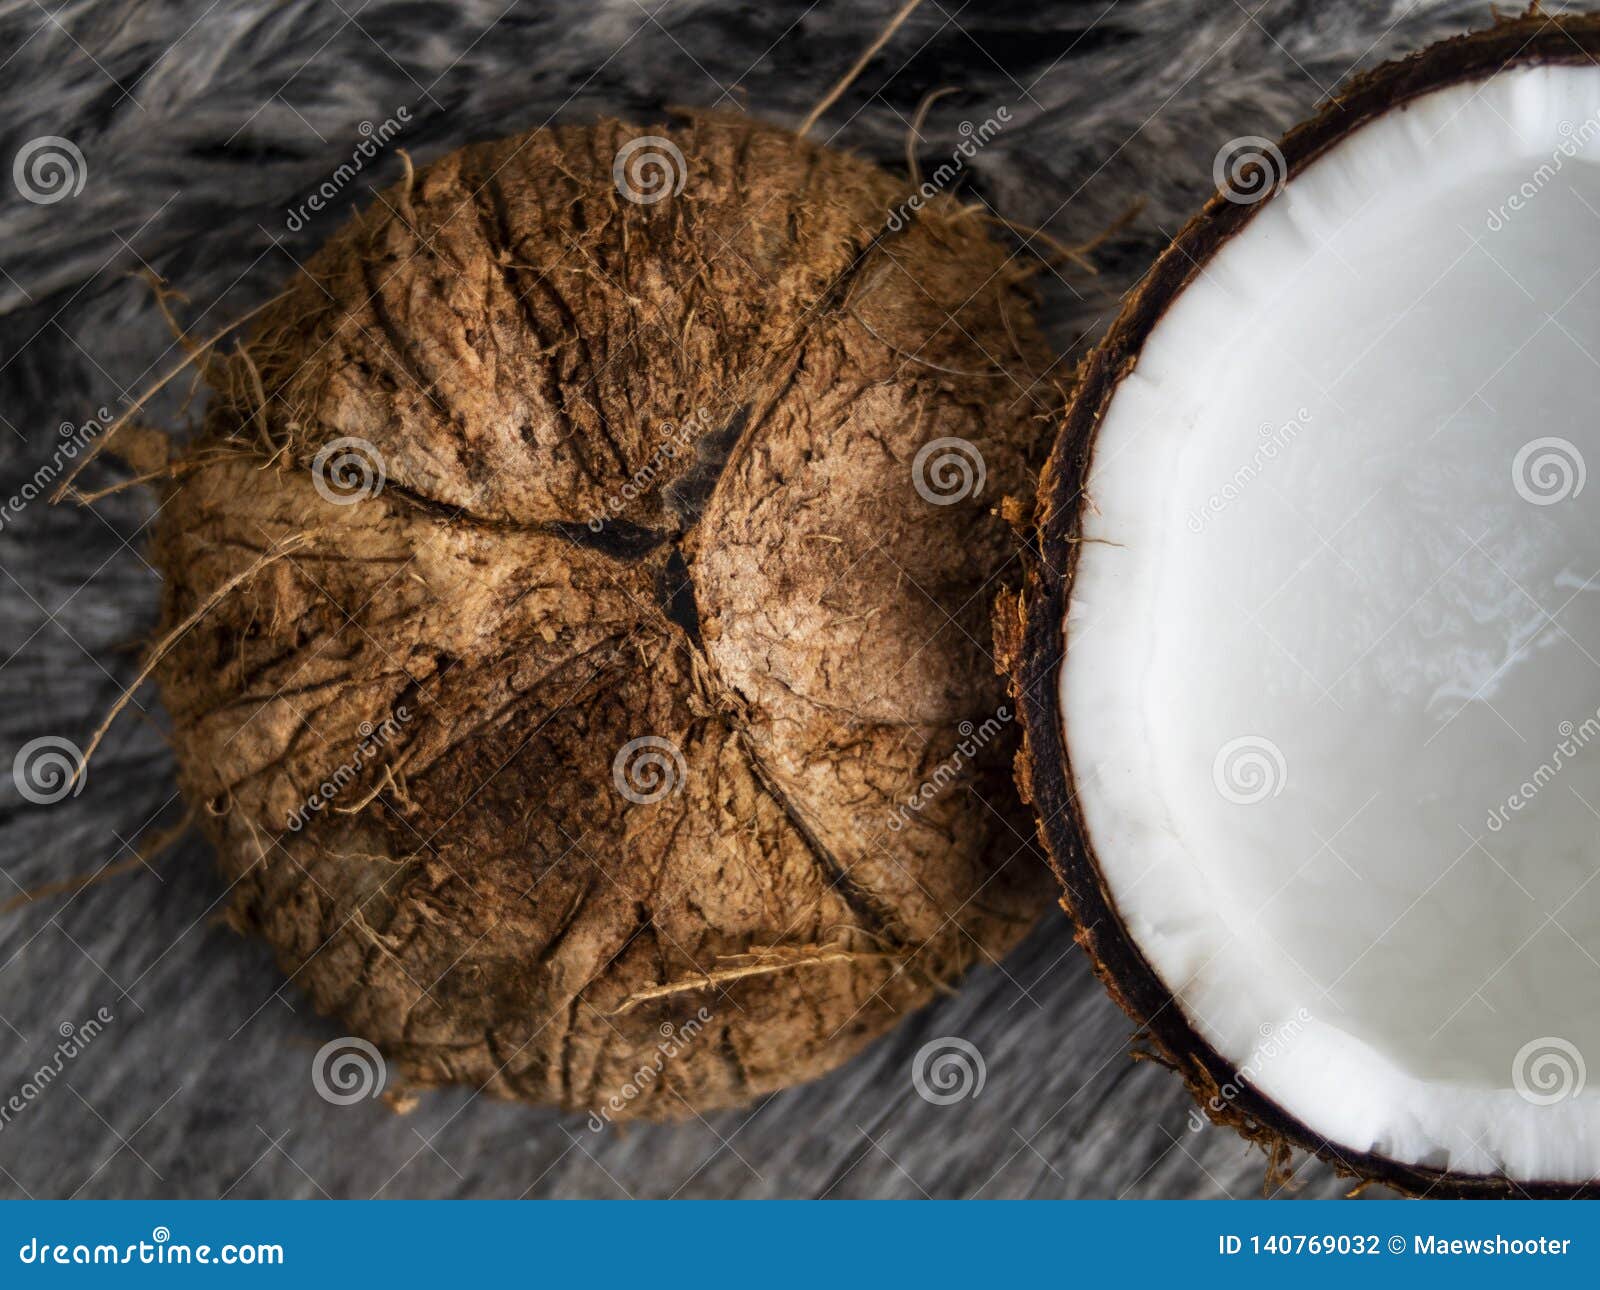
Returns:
<point x="202" y="126"/>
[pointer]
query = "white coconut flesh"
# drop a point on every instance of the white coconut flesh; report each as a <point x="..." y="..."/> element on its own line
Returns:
<point x="1333" y="648"/>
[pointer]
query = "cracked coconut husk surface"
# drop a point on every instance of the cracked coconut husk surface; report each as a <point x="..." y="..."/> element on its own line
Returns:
<point x="520" y="346"/>
<point x="1030" y="625"/>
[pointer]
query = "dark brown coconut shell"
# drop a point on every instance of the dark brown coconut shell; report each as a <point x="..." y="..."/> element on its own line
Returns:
<point x="540" y="583"/>
<point x="1029" y="627"/>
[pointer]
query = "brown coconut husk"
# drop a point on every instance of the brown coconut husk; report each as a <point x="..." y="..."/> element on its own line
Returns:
<point x="1028" y="625"/>
<point x="513" y="340"/>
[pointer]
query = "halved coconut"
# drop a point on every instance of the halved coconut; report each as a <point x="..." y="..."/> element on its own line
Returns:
<point x="1310" y="657"/>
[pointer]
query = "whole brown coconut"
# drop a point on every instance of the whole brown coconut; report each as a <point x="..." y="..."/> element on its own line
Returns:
<point x="587" y="559"/>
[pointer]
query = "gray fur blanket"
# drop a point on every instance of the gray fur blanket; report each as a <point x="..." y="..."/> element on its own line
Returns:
<point x="189" y="137"/>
